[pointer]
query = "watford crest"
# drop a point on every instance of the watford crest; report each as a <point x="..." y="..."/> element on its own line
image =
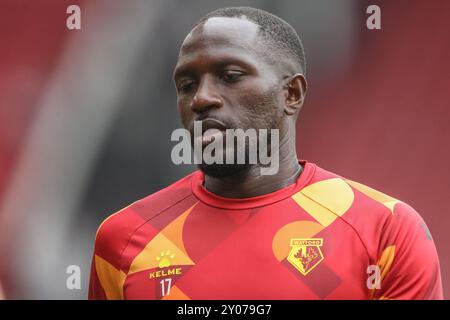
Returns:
<point x="305" y="254"/>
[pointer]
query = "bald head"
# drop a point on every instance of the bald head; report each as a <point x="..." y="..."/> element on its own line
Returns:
<point x="222" y="32"/>
<point x="277" y="40"/>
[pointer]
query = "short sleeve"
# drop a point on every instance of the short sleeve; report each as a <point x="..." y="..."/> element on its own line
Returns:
<point x="106" y="277"/>
<point x="407" y="258"/>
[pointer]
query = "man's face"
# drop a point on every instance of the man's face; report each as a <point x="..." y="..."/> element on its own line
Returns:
<point x="223" y="80"/>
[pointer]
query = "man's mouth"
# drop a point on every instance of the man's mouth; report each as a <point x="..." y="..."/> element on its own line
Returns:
<point x="209" y="131"/>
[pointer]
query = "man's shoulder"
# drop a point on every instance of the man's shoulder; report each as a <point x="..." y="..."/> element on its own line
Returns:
<point x="333" y="191"/>
<point x="364" y="208"/>
<point x="114" y="232"/>
<point x="371" y="213"/>
<point x="387" y="214"/>
<point x="394" y="235"/>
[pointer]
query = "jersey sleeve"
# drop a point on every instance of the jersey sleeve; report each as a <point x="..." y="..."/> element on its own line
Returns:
<point x="106" y="277"/>
<point x="96" y="291"/>
<point x="407" y="258"/>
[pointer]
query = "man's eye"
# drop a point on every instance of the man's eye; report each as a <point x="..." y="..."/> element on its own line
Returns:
<point x="231" y="76"/>
<point x="185" y="86"/>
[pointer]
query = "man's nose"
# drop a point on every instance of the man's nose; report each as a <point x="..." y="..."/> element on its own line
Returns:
<point x="206" y="96"/>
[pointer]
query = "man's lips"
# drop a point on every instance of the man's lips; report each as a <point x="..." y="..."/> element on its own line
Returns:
<point x="211" y="129"/>
<point x="211" y="123"/>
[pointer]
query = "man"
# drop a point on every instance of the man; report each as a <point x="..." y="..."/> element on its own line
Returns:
<point x="230" y="232"/>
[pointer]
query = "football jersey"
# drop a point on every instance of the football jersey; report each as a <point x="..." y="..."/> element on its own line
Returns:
<point x="322" y="237"/>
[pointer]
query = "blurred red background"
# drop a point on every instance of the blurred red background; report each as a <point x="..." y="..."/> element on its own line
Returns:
<point x="383" y="120"/>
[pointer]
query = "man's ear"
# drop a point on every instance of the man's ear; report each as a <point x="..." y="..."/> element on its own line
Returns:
<point x="296" y="88"/>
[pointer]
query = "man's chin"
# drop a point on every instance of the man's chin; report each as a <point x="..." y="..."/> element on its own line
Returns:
<point x="223" y="170"/>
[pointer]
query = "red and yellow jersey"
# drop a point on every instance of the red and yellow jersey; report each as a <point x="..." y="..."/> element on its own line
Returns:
<point x="323" y="237"/>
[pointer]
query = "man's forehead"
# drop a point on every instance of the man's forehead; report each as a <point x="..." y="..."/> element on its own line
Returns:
<point x="230" y="31"/>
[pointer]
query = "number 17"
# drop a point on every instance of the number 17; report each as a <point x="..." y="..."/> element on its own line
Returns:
<point x="169" y="284"/>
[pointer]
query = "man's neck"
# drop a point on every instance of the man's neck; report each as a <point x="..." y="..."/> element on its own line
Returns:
<point x="253" y="184"/>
